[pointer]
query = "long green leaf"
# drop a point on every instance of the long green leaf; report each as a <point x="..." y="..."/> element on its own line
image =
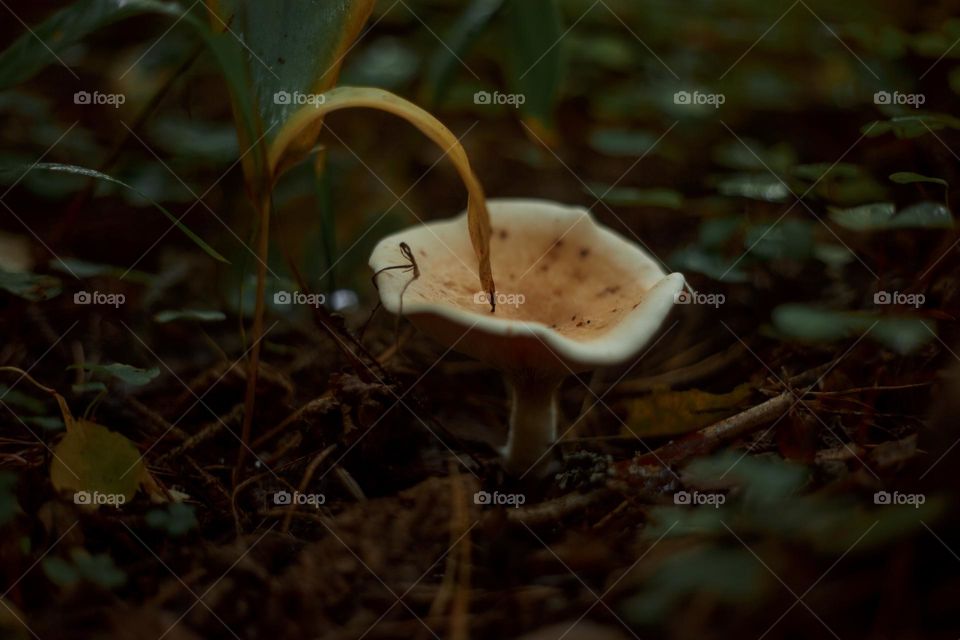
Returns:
<point x="40" y="46"/>
<point x="43" y="43"/>
<point x="447" y="58"/>
<point x="534" y="33"/>
<point x="92" y="173"/>
<point x="292" y="54"/>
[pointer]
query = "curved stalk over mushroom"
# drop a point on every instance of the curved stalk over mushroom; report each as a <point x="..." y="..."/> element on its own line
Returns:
<point x="365" y="97"/>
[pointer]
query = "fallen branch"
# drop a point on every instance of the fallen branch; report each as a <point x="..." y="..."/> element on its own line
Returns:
<point x="709" y="438"/>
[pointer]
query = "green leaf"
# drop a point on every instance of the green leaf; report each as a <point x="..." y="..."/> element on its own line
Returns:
<point x="20" y="400"/>
<point x="715" y="232"/>
<point x="98" y="569"/>
<point x="533" y="45"/>
<point x="789" y="239"/>
<point x="903" y="334"/>
<point x="92" y="459"/>
<point x="909" y="177"/>
<point x="819" y="171"/>
<point x="764" y="481"/>
<point x="85" y="269"/>
<point x="292" y="54"/>
<point x="633" y="197"/>
<point x="756" y="186"/>
<point x="446" y="60"/>
<point x="47" y="423"/>
<point x="124" y="372"/>
<point x="88" y="387"/>
<point x="623" y="142"/>
<point x="709" y="263"/>
<point x="208" y="141"/>
<point x="30" y="286"/>
<point x="35" y="48"/>
<point x="60" y="571"/>
<point x="911" y="126"/>
<point x="196" y="315"/>
<point x="176" y="519"/>
<point x="925" y="215"/>
<point x="833" y="255"/>
<point x="880" y="216"/>
<point x="753" y="155"/>
<point x="92" y="173"/>
<point x="728" y="576"/>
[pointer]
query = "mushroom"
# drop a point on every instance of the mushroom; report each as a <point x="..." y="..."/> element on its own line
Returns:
<point x="572" y="295"/>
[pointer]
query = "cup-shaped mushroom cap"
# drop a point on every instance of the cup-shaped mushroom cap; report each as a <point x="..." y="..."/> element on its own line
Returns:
<point x="572" y="295"/>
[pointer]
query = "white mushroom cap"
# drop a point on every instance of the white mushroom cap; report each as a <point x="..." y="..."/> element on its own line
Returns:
<point x="572" y="295"/>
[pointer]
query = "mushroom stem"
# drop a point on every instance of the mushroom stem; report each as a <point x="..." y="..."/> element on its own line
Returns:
<point x="533" y="422"/>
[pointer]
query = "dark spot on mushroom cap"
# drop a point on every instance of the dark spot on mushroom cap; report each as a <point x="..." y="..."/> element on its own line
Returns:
<point x="609" y="290"/>
<point x="588" y="322"/>
<point x="636" y="305"/>
<point x="423" y="253"/>
<point x="580" y="324"/>
<point x="503" y="234"/>
<point x="584" y="252"/>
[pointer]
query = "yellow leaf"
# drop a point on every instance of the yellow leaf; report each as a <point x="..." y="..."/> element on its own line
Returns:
<point x="98" y="465"/>
<point x="667" y="413"/>
<point x="303" y="121"/>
